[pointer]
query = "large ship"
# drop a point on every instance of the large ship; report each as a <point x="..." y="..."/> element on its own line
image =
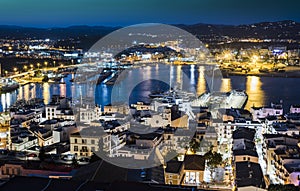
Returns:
<point x="8" y="85"/>
<point x="233" y="99"/>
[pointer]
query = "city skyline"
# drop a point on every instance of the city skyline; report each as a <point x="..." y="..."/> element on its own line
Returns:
<point x="98" y="95"/>
<point x="31" y="13"/>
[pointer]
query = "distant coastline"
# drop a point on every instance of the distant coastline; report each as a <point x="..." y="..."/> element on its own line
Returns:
<point x="287" y="74"/>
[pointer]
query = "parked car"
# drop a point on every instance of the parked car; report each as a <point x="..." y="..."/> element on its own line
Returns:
<point x="83" y="161"/>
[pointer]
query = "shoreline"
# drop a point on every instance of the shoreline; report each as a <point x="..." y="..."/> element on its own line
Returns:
<point x="293" y="74"/>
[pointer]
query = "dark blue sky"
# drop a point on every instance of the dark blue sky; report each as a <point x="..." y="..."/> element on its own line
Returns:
<point x="50" y="13"/>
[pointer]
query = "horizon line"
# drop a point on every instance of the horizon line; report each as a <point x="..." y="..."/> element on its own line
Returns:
<point x="126" y="25"/>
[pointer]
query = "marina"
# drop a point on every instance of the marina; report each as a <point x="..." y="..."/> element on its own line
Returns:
<point x="255" y="87"/>
<point x="8" y="85"/>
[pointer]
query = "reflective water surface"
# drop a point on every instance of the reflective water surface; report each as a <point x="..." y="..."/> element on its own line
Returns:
<point x="261" y="90"/>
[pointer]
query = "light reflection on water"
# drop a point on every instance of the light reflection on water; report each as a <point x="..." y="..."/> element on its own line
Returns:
<point x="255" y="93"/>
<point x="46" y="93"/>
<point x="261" y="90"/>
<point x="225" y="85"/>
<point x="201" y="84"/>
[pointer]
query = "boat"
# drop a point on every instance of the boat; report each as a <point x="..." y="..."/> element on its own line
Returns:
<point x="103" y="76"/>
<point x="8" y="85"/>
<point x="263" y="70"/>
<point x="156" y="94"/>
<point x="113" y="79"/>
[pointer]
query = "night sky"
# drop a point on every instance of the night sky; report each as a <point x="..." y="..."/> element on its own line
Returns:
<point x="52" y="13"/>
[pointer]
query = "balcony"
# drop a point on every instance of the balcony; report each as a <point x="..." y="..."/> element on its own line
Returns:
<point x="287" y="175"/>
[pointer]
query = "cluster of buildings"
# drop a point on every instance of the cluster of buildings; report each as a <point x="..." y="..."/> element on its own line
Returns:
<point x="37" y="49"/>
<point x="259" y="147"/>
<point x="55" y="136"/>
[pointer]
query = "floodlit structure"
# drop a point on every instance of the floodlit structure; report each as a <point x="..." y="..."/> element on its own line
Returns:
<point x="4" y="131"/>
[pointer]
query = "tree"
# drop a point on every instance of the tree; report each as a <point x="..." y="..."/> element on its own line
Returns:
<point x="194" y="145"/>
<point x="213" y="160"/>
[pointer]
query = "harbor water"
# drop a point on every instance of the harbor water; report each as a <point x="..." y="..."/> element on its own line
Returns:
<point x="261" y="90"/>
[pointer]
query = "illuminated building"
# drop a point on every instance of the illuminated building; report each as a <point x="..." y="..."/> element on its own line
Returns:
<point x="4" y="131"/>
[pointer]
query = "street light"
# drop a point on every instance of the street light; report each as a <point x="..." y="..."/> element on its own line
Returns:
<point x="25" y="68"/>
<point x="46" y="64"/>
<point x="31" y="66"/>
<point x="15" y="70"/>
<point x="38" y="65"/>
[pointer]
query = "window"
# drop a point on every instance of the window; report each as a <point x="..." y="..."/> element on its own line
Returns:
<point x="92" y="141"/>
<point x="248" y="158"/>
<point x="84" y="149"/>
<point x="244" y="158"/>
<point x="75" y="148"/>
<point x="75" y="140"/>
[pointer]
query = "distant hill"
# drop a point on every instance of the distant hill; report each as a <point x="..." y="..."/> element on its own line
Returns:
<point x="17" y="32"/>
<point x="85" y="36"/>
<point x="264" y="30"/>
